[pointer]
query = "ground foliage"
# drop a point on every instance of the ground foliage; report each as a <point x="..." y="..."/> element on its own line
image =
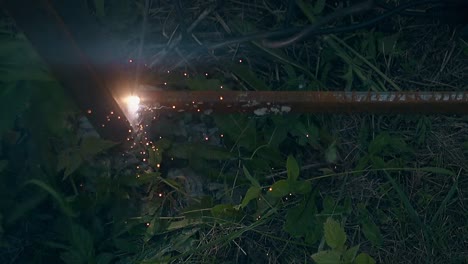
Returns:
<point x="276" y="189"/>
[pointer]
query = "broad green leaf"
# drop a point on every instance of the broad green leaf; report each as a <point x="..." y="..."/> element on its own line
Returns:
<point x="379" y="143"/>
<point x="91" y="146"/>
<point x="226" y="211"/>
<point x="350" y="254"/>
<point x="363" y="258"/>
<point x="22" y="208"/>
<point x="280" y="189"/>
<point x="331" y="153"/>
<point x="277" y="135"/>
<point x="327" y="257"/>
<point x="151" y="228"/>
<point x="292" y="169"/>
<point x="69" y="161"/>
<point x="163" y="143"/>
<point x="238" y="129"/>
<point x="251" y="194"/>
<point x="301" y="220"/>
<point x="335" y="235"/>
<point x="329" y="204"/>
<point x="372" y="232"/>
<point x="82" y="241"/>
<point x="300" y="187"/>
<point x="377" y="162"/>
<point x="252" y="180"/>
<point x="57" y="197"/>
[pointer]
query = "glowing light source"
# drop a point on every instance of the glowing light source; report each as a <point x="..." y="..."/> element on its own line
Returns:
<point x="133" y="100"/>
<point x="133" y="104"/>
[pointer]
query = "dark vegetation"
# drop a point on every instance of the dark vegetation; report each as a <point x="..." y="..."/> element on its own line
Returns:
<point x="235" y="188"/>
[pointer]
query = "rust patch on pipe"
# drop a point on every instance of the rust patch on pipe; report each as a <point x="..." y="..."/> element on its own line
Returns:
<point x="278" y="102"/>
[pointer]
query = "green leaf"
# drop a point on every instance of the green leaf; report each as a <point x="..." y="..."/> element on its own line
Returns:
<point x="300" y="187"/>
<point x="226" y="211"/>
<point x="350" y="254"/>
<point x="91" y="146"/>
<point x="57" y="197"/>
<point x="329" y="204"/>
<point x="327" y="257"/>
<point x="151" y="228"/>
<point x="252" y="193"/>
<point x="82" y="241"/>
<point x="252" y="180"/>
<point x="301" y="221"/>
<point x="363" y="258"/>
<point x="239" y="129"/>
<point x="280" y="189"/>
<point x="377" y="162"/>
<point x="379" y="143"/>
<point x="69" y="161"/>
<point x="23" y="207"/>
<point x="369" y="228"/>
<point x="372" y="232"/>
<point x="292" y="169"/>
<point x="331" y="153"/>
<point x="163" y="143"/>
<point x="335" y="235"/>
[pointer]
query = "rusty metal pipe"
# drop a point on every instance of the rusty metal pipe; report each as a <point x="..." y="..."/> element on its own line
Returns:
<point x="276" y="102"/>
